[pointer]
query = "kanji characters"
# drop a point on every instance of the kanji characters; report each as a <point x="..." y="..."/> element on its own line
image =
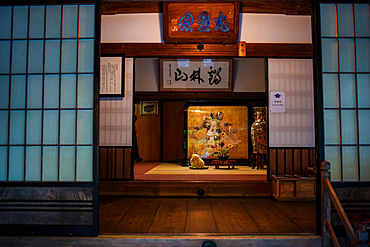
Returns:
<point x="187" y="20"/>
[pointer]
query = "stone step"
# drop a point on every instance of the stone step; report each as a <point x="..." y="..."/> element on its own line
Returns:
<point x="185" y="188"/>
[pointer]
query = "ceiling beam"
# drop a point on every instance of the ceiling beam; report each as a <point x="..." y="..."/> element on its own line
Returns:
<point x="282" y="50"/>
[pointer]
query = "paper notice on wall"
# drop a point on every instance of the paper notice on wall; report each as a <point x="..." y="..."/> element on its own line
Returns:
<point x="110" y="75"/>
<point x="277" y="102"/>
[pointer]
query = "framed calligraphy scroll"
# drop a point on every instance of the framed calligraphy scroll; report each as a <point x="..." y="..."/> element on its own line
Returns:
<point x="201" y="22"/>
<point x="195" y="74"/>
<point x="111" y="76"/>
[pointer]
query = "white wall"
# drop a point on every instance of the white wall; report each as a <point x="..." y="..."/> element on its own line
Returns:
<point x="274" y="28"/>
<point x="148" y="80"/>
<point x="254" y="28"/>
<point x="131" y="28"/>
<point x="249" y="75"/>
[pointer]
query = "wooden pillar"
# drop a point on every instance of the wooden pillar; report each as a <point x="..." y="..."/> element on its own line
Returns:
<point x="325" y="204"/>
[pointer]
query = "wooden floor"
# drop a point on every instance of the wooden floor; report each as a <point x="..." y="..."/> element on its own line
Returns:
<point x="205" y="215"/>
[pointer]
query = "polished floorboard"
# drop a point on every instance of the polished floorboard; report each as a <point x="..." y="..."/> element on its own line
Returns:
<point x="205" y="215"/>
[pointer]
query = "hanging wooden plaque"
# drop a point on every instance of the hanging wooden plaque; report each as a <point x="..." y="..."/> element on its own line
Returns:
<point x="201" y="22"/>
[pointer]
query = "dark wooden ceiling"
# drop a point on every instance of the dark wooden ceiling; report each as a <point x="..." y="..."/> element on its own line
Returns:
<point x="276" y="7"/>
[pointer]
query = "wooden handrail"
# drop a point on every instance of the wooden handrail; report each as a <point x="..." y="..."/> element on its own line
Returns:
<point x="342" y="214"/>
<point x="332" y="233"/>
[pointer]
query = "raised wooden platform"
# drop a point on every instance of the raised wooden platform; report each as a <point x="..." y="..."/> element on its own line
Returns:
<point x="186" y="188"/>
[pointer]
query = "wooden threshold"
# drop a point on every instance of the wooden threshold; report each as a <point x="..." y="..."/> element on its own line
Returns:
<point x="163" y="241"/>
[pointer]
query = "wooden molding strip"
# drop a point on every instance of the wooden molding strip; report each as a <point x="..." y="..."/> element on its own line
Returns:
<point x="227" y="50"/>
<point x="273" y="7"/>
<point x="128" y="7"/>
<point x="162" y="49"/>
<point x="184" y="96"/>
<point x="279" y="50"/>
<point x="277" y="7"/>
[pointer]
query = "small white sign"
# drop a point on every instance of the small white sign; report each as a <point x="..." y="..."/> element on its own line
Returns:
<point x="277" y="102"/>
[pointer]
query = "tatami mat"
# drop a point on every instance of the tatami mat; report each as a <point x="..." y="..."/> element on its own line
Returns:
<point x="170" y="168"/>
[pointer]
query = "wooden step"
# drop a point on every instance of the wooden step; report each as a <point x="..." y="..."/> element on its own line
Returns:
<point x="164" y="241"/>
<point x="185" y="188"/>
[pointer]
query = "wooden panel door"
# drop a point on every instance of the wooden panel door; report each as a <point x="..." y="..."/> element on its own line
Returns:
<point x="173" y="131"/>
<point x="148" y="135"/>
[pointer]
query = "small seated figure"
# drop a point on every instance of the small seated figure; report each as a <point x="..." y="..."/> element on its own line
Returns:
<point x="196" y="162"/>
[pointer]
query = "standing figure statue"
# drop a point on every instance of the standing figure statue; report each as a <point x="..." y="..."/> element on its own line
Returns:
<point x="259" y="138"/>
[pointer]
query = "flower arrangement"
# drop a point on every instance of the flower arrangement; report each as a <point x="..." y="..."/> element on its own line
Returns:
<point x="222" y="150"/>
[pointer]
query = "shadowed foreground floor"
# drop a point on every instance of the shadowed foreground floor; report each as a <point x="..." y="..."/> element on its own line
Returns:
<point x="206" y="215"/>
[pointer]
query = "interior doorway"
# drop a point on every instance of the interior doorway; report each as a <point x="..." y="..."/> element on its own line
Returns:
<point x="175" y="131"/>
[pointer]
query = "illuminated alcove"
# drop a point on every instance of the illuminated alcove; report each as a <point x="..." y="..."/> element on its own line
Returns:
<point x="208" y="126"/>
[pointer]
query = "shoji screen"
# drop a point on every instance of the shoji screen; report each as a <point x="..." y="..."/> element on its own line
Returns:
<point x="46" y="92"/>
<point x="116" y="114"/>
<point x="295" y="127"/>
<point x="345" y="45"/>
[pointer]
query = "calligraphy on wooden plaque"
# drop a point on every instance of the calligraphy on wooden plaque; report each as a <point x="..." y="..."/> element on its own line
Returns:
<point x="201" y="22"/>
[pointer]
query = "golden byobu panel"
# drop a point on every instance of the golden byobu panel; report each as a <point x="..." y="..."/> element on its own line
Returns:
<point x="208" y="125"/>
